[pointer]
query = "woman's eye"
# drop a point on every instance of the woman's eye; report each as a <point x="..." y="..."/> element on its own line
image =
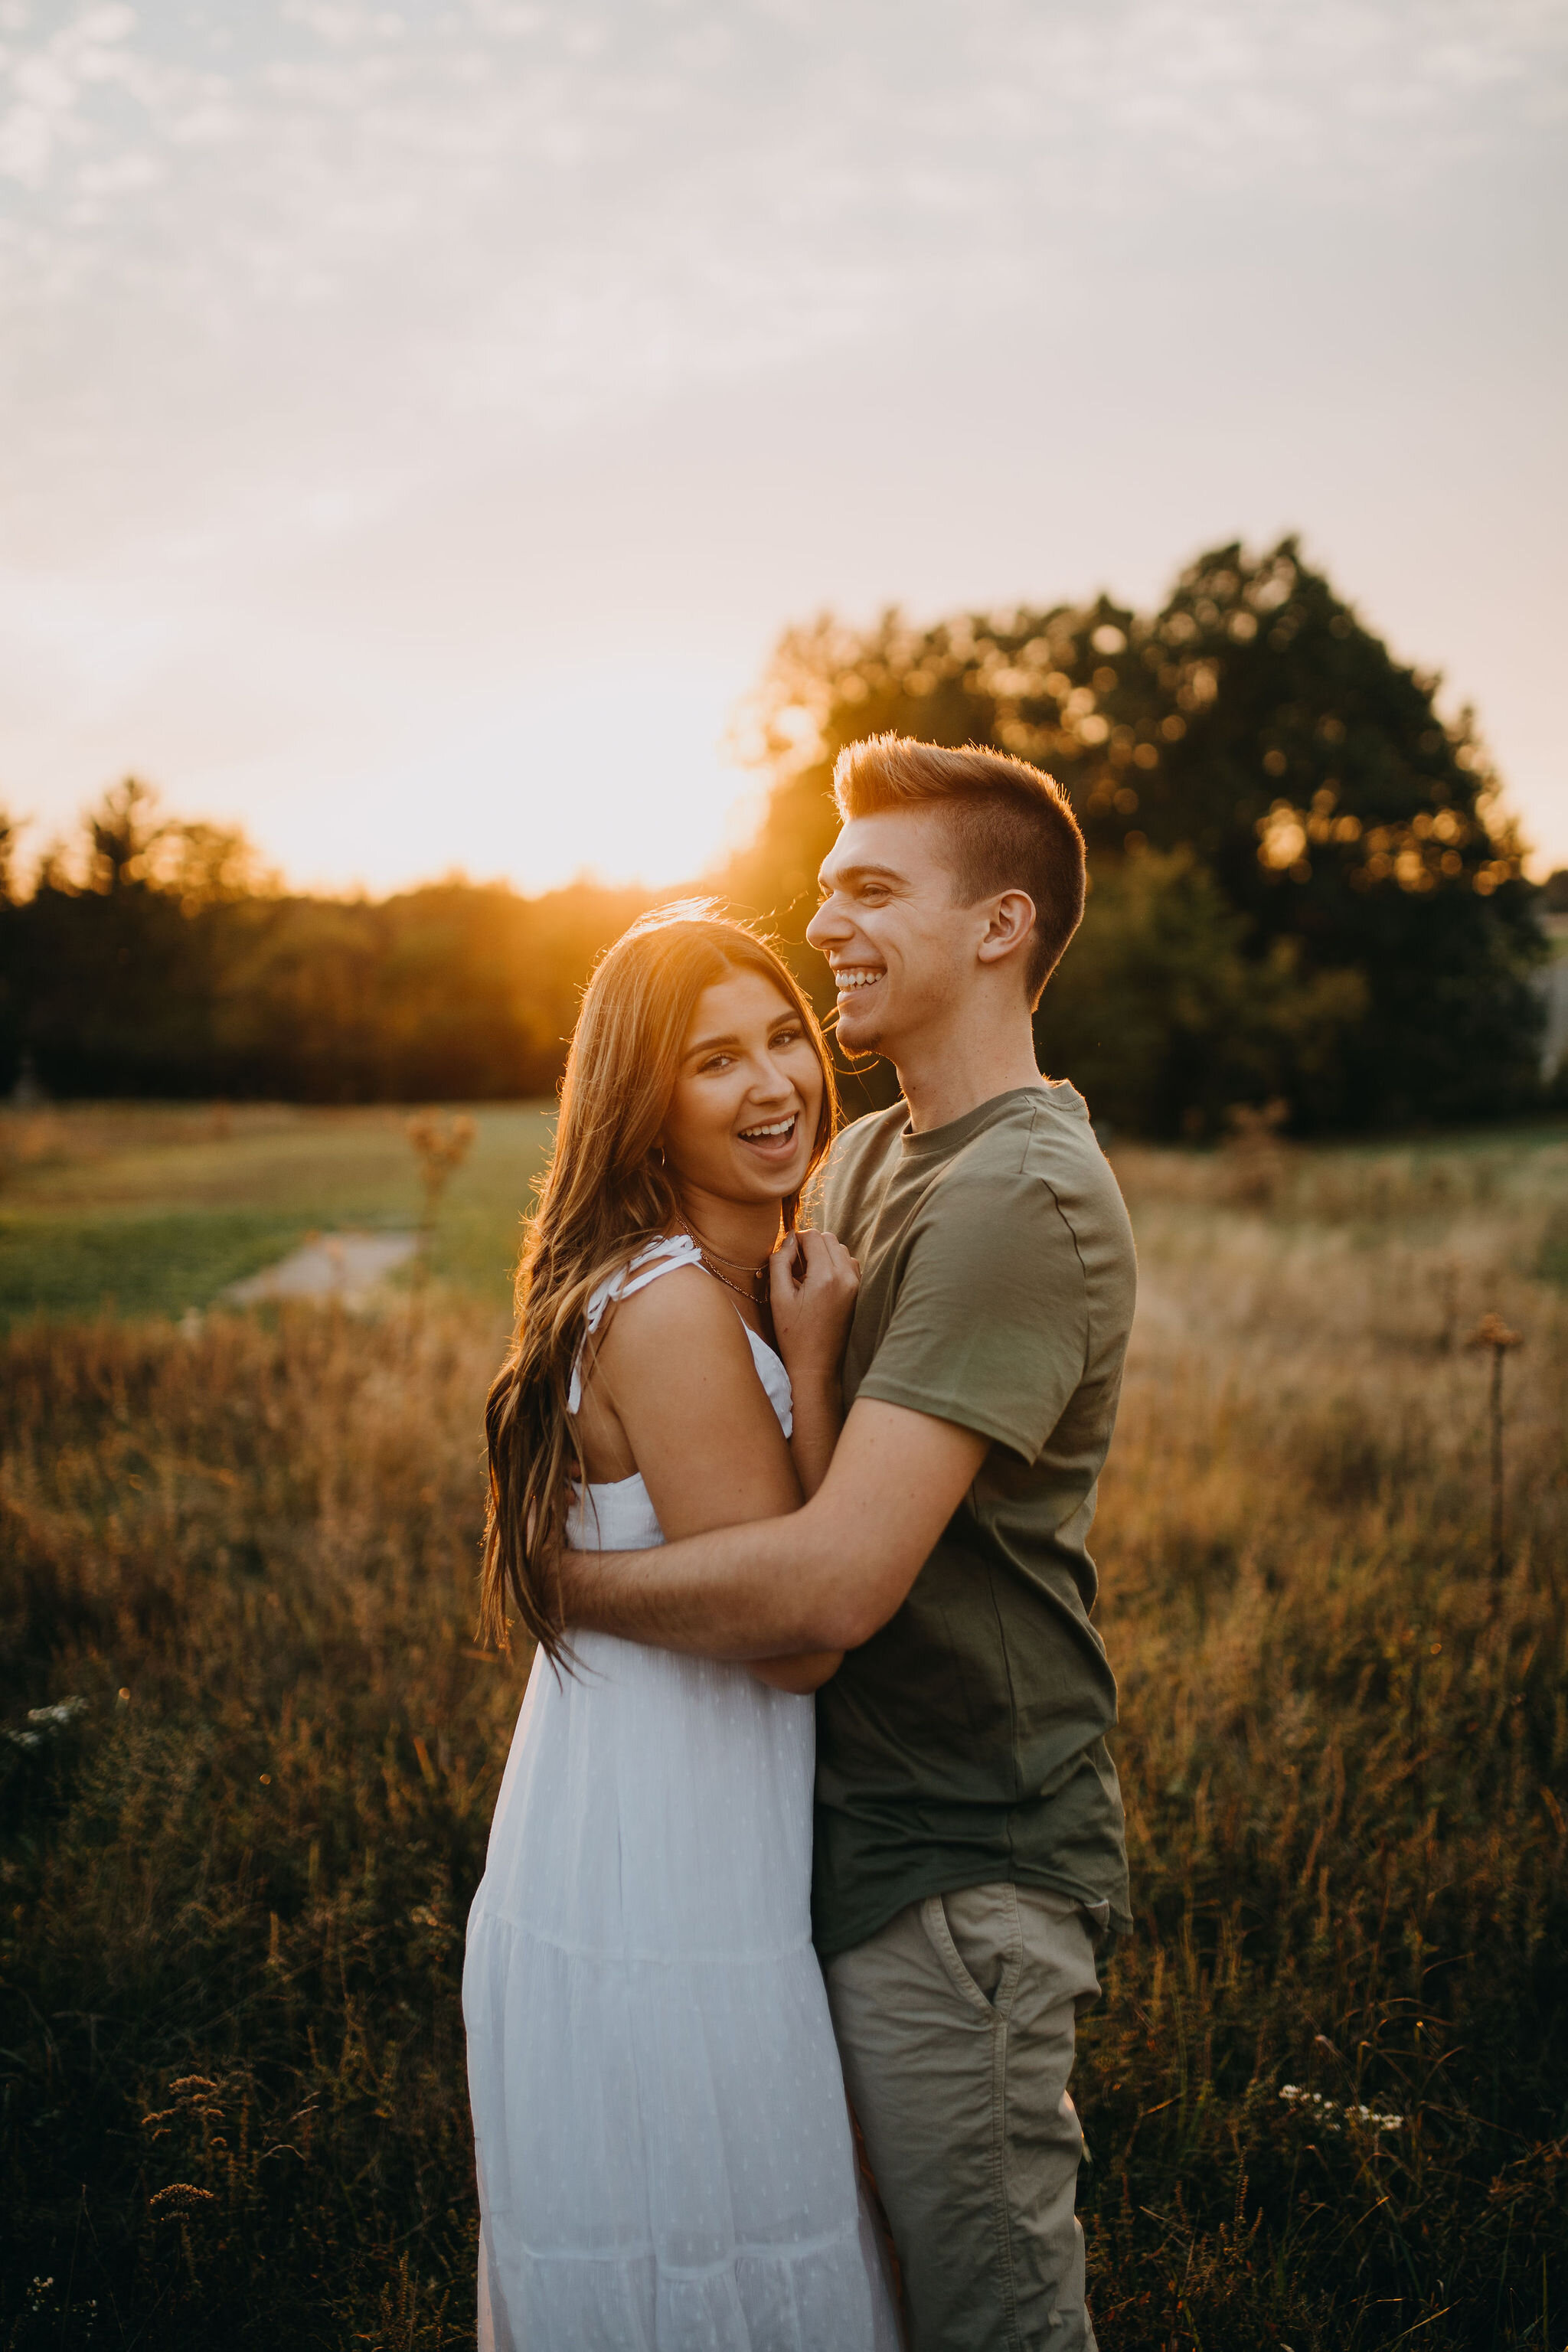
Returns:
<point x="718" y="1062"/>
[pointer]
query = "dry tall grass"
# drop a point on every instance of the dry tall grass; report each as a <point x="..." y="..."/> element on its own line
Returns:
<point x="237" y="1879"/>
<point x="236" y="1875"/>
<point x="1346" y="1760"/>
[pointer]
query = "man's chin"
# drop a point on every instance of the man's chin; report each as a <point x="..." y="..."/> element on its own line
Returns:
<point x="859" y="1028"/>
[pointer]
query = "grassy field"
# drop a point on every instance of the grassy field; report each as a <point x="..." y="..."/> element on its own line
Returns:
<point x="251" y="1753"/>
<point x="153" y="1209"/>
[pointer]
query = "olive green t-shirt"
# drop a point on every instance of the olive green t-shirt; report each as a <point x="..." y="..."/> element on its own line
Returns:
<point x="965" y="1741"/>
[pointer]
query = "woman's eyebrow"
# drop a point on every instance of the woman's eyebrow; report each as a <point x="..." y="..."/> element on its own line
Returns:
<point x="710" y="1045"/>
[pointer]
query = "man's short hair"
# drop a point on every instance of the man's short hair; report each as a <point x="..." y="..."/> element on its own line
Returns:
<point x="1010" y="827"/>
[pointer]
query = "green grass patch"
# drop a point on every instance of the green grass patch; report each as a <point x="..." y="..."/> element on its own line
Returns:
<point x="151" y="1210"/>
<point x="130" y="1265"/>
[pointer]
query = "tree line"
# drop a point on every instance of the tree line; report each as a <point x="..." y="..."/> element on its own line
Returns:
<point x="1304" y="889"/>
<point x="153" y="958"/>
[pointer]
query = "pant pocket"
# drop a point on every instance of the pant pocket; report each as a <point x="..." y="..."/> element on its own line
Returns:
<point x="977" y="1935"/>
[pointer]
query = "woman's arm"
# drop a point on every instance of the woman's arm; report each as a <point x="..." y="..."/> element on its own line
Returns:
<point x="675" y="1368"/>
<point x="818" y="1418"/>
<point x="674" y="1365"/>
<point x="812" y="1281"/>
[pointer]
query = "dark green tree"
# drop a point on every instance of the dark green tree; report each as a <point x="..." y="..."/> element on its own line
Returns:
<point x="112" y="991"/>
<point x="1163" y="1017"/>
<point x="1370" y="889"/>
<point x="117" y="954"/>
<point x="1314" y="776"/>
<point x="10" y="959"/>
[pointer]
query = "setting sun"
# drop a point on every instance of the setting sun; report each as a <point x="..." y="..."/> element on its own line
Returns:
<point x="617" y="774"/>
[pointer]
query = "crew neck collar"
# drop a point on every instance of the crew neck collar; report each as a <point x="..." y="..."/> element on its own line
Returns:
<point x="938" y="1140"/>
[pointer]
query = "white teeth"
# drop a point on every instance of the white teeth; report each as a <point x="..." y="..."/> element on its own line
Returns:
<point x="780" y="1127"/>
<point x="856" y="976"/>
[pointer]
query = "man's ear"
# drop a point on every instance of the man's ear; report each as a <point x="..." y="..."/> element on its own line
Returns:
<point x="1010" y="920"/>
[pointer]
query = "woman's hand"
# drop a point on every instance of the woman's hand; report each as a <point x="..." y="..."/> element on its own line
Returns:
<point x="811" y="1307"/>
<point x="812" y="1281"/>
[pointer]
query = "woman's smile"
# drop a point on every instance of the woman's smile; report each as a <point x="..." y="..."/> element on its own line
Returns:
<point x="772" y="1140"/>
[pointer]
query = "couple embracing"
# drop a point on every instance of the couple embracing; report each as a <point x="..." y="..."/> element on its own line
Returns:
<point x="736" y="1463"/>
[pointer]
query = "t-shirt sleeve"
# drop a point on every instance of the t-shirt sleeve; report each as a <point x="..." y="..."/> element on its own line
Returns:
<point x="990" y="1326"/>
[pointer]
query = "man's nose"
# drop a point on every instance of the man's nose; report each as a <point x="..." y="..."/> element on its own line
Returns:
<point x="827" y="923"/>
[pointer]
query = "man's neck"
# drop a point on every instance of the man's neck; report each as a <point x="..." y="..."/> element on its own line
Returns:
<point x="943" y="1078"/>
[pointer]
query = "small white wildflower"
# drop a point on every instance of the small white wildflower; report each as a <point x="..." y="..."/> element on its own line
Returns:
<point x="1331" y="2116"/>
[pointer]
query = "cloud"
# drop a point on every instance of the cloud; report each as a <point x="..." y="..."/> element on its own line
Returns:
<point x="719" y="164"/>
<point x="361" y="225"/>
<point x="276" y="276"/>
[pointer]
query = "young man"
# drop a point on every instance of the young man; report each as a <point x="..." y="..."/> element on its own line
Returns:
<point x="969" y="1851"/>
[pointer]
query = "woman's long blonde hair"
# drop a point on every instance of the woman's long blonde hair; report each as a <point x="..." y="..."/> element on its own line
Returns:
<point x="605" y="1193"/>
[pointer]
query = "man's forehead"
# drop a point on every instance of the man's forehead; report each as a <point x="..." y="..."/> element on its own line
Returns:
<point x="894" y="843"/>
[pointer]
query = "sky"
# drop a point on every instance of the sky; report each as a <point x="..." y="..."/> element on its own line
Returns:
<point x="417" y="422"/>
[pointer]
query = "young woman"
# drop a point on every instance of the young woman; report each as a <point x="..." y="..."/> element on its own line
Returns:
<point x="664" y="2148"/>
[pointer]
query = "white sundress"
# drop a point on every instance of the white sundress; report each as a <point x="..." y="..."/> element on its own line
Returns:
<point x="663" y="2144"/>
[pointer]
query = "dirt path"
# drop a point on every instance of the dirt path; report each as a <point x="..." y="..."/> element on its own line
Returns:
<point x="346" y="1266"/>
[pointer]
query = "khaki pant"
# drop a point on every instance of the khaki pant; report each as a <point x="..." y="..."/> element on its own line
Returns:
<point x="955" y="2023"/>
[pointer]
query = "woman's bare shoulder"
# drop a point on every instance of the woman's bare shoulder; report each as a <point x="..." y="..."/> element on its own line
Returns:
<point x="683" y="1310"/>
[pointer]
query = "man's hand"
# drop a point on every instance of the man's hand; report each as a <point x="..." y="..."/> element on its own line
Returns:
<point x="824" y="1577"/>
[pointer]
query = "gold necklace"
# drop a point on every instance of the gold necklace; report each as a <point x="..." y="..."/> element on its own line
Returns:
<point x="750" y="1295"/>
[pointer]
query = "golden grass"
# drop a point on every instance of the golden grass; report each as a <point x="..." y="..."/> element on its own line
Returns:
<point x="235" y="1877"/>
<point x="1346" y="1755"/>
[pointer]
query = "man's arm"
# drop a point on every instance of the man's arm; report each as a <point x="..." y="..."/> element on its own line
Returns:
<point x="824" y="1577"/>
